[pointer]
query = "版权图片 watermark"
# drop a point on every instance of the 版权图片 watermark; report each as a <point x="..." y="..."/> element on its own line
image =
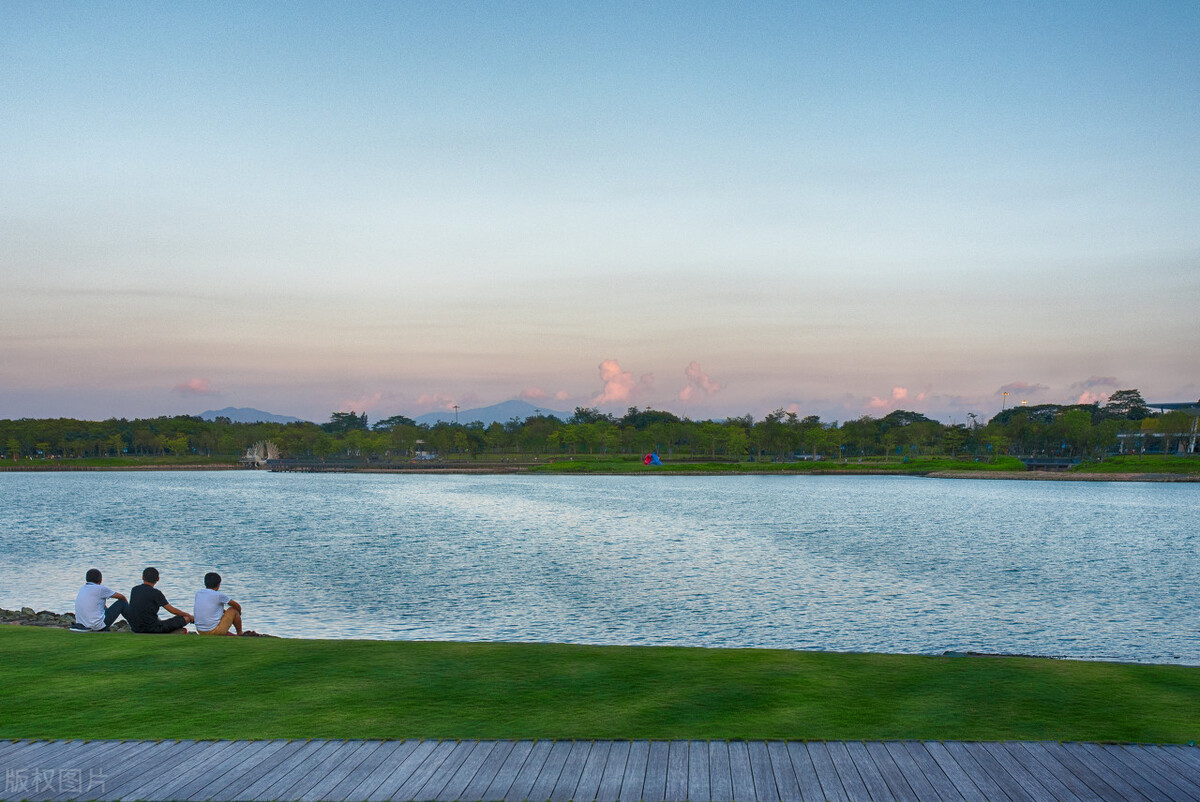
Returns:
<point x="43" y="780"/>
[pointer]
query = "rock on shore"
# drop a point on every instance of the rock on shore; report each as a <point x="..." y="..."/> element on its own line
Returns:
<point x="27" y="617"/>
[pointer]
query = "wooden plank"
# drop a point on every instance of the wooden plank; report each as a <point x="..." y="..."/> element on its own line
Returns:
<point x="423" y="773"/>
<point x="1147" y="770"/>
<point x="739" y="770"/>
<point x="760" y="770"/>
<point x="1171" y="758"/>
<point x="1083" y="772"/>
<point x="508" y="771"/>
<point x="847" y="770"/>
<point x="293" y="759"/>
<point x="805" y="771"/>
<point x="614" y="772"/>
<point x="217" y="772"/>
<point x="1188" y="755"/>
<point x="654" y="787"/>
<point x="376" y="761"/>
<point x="1012" y="787"/>
<point x="1028" y="782"/>
<point x="312" y="770"/>
<point x="963" y="783"/>
<point x="527" y="776"/>
<point x="907" y="766"/>
<point x="454" y="787"/>
<point x="978" y="773"/>
<point x="547" y="778"/>
<point x="943" y="786"/>
<point x="441" y="776"/>
<point x="785" y="775"/>
<point x="35" y="764"/>
<point x="394" y="773"/>
<point x="634" y="781"/>
<point x="720" y="781"/>
<point x="893" y="777"/>
<point x="238" y="787"/>
<point x="488" y="770"/>
<point x="1056" y="779"/>
<point x="250" y="760"/>
<point x="593" y="771"/>
<point x="568" y="778"/>
<point x="99" y="763"/>
<point x="698" y="780"/>
<point x="32" y="769"/>
<point x="1111" y="771"/>
<point x="676" y="789"/>
<point x="176" y="765"/>
<point x="831" y="782"/>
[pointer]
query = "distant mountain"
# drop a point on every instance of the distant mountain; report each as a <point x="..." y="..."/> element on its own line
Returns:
<point x="502" y="412"/>
<point x="248" y="415"/>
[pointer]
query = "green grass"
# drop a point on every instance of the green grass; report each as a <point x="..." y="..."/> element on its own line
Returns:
<point x="183" y="460"/>
<point x="64" y="685"/>
<point x="914" y="466"/>
<point x="1143" y="463"/>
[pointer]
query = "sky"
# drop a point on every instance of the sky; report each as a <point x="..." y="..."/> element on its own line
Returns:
<point x="838" y="209"/>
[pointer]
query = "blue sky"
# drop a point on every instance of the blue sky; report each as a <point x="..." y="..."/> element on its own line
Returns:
<point x="713" y="208"/>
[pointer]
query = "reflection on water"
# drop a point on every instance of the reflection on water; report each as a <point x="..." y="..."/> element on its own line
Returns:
<point x="892" y="564"/>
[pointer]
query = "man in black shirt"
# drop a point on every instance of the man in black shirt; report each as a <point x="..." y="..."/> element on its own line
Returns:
<point x="144" y="603"/>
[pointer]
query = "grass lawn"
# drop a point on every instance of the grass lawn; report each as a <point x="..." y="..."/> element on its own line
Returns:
<point x="916" y="466"/>
<point x="59" y="684"/>
<point x="1142" y="463"/>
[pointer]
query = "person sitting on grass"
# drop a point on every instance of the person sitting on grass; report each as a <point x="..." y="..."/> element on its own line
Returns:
<point x="144" y="603"/>
<point x="212" y="617"/>
<point x="90" y="612"/>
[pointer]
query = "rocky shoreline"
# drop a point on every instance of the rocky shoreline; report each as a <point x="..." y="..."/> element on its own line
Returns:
<point x="27" y="617"/>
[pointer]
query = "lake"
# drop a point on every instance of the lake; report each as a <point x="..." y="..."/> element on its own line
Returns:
<point x="838" y="563"/>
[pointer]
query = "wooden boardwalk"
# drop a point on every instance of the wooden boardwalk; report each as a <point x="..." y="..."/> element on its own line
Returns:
<point x="604" y="771"/>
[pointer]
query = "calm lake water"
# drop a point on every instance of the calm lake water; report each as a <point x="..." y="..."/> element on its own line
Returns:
<point x="887" y="564"/>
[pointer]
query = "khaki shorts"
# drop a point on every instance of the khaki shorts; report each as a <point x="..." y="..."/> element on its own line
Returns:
<point x="223" y="627"/>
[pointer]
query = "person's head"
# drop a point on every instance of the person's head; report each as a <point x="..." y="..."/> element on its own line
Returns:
<point x="212" y="580"/>
<point x="94" y="576"/>
<point x="150" y="575"/>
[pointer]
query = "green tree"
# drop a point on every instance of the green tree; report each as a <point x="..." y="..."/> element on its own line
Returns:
<point x="1127" y="404"/>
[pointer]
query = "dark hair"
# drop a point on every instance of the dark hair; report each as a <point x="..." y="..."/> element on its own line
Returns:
<point x="212" y="580"/>
<point x="93" y="575"/>
<point x="150" y="575"/>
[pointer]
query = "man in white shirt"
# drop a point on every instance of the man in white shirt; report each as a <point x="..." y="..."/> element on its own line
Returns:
<point x="90" y="612"/>
<point x="212" y="617"/>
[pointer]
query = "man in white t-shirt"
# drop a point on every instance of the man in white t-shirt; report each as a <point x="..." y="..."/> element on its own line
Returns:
<point x="90" y="612"/>
<point x="212" y="617"/>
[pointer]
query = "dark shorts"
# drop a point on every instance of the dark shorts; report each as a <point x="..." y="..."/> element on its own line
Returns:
<point x="164" y="626"/>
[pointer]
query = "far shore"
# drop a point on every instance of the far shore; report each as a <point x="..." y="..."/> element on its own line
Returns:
<point x="533" y="468"/>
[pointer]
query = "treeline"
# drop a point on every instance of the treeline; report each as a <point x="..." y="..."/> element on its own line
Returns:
<point x="1124" y="423"/>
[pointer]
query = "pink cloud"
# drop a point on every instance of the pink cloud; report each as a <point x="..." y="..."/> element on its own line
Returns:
<point x="1088" y="397"/>
<point x="533" y="393"/>
<point x="367" y="402"/>
<point x="792" y="408"/>
<point x="430" y="401"/>
<point x="898" y="394"/>
<point x="195" y="386"/>
<point x="619" y="384"/>
<point x="561" y="395"/>
<point x="699" y="384"/>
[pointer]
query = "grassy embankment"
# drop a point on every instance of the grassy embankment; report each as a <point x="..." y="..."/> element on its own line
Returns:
<point x="1143" y="463"/>
<point x="914" y="466"/>
<point x="116" y="463"/>
<point x="64" y="685"/>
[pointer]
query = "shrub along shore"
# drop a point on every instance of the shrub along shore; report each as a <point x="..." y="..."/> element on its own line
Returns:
<point x="60" y="684"/>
